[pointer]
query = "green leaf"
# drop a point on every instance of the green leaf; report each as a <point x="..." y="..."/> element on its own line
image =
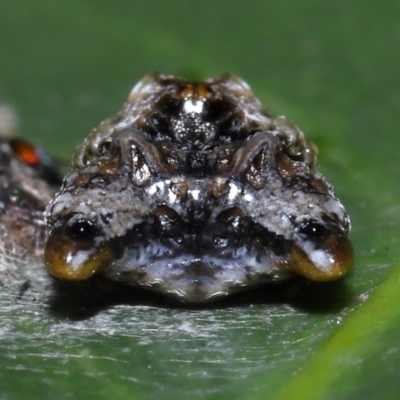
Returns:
<point x="332" y="67"/>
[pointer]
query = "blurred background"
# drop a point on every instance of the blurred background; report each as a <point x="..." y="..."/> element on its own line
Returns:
<point x="330" y="66"/>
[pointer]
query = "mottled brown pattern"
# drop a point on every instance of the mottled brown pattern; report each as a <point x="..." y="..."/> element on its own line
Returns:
<point x="195" y="191"/>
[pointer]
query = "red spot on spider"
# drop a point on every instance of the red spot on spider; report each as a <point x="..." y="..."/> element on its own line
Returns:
<point x="26" y="153"/>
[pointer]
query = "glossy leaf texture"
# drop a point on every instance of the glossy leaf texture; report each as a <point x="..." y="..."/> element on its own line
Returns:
<point x="331" y="67"/>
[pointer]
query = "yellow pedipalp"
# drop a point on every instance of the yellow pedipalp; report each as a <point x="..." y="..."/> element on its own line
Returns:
<point x="75" y="261"/>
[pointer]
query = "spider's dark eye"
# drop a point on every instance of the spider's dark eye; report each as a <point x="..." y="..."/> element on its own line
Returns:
<point x="104" y="148"/>
<point x="312" y="230"/>
<point x="82" y="231"/>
